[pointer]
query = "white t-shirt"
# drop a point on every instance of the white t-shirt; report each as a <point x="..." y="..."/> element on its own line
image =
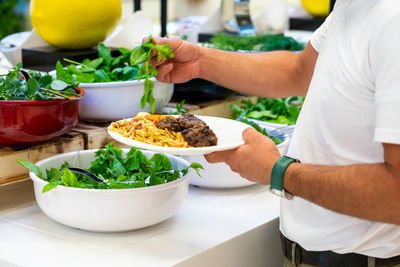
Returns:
<point x="352" y="107"/>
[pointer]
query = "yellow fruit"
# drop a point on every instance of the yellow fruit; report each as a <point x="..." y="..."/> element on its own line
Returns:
<point x="74" y="24"/>
<point x="317" y="8"/>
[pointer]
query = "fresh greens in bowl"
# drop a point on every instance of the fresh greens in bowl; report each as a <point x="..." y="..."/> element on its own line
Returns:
<point x="117" y="171"/>
<point x="130" y="65"/>
<point x="273" y="110"/>
<point x="20" y="85"/>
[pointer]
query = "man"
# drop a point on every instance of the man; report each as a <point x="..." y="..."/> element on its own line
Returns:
<point x="346" y="187"/>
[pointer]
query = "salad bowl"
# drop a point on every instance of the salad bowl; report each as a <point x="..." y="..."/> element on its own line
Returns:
<point x="30" y="122"/>
<point x="109" y="210"/>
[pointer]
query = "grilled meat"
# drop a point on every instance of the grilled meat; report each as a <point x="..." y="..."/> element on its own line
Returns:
<point x="170" y="124"/>
<point x="195" y="131"/>
<point x="200" y="136"/>
<point x="190" y="121"/>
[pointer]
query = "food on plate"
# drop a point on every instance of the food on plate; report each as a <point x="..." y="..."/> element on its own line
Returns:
<point x="115" y="170"/>
<point x="279" y="110"/>
<point x="163" y="130"/>
<point x="130" y="65"/>
<point x="196" y="132"/>
<point x="20" y="85"/>
<point x="143" y="128"/>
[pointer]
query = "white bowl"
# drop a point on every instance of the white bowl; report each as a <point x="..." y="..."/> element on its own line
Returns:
<point x="109" y="210"/>
<point x="220" y="175"/>
<point x="11" y="46"/>
<point x="117" y="100"/>
<point x="270" y="125"/>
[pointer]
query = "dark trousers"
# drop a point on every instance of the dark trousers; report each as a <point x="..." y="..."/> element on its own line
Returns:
<point x="295" y="255"/>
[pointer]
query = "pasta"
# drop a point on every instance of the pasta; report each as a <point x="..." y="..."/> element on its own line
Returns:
<point x="143" y="129"/>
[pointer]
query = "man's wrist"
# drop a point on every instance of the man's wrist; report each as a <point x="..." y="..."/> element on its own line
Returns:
<point x="289" y="177"/>
<point x="202" y="62"/>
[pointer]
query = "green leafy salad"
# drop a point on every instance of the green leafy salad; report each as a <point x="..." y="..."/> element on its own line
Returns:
<point x="130" y="65"/>
<point x="117" y="171"/>
<point x="275" y="110"/>
<point x="15" y="86"/>
<point x="255" y="43"/>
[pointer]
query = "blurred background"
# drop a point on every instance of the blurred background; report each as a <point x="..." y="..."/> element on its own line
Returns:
<point x="15" y="13"/>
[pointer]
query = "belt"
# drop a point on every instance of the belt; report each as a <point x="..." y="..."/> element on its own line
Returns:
<point x="329" y="258"/>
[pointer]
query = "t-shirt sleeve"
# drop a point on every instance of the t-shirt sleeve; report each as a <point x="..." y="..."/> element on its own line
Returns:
<point x="384" y="57"/>
<point x="318" y="37"/>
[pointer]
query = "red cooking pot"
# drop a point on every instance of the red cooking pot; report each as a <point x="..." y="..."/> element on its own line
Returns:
<point x="30" y="122"/>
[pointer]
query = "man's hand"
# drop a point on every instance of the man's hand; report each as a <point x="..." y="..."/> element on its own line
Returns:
<point x="253" y="160"/>
<point x="183" y="67"/>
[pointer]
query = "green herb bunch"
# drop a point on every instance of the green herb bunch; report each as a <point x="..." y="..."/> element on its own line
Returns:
<point x="255" y="43"/>
<point x="116" y="170"/>
<point x="275" y="110"/>
<point x="141" y="56"/>
<point x="14" y="86"/>
<point x="129" y="66"/>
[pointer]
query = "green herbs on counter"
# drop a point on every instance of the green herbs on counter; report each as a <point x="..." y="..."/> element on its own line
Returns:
<point x="179" y="109"/>
<point x="116" y="170"/>
<point x="130" y="65"/>
<point x="255" y="43"/>
<point x="15" y="86"/>
<point x="274" y="110"/>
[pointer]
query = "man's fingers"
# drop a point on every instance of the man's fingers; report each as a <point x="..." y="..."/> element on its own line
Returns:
<point x="215" y="157"/>
<point x="155" y="40"/>
<point x="164" y="71"/>
<point x="155" y="63"/>
<point x="250" y="134"/>
<point x="221" y="156"/>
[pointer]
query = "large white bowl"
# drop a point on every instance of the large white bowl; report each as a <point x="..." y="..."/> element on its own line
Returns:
<point x="112" y="210"/>
<point x="116" y="100"/>
<point x="220" y="175"/>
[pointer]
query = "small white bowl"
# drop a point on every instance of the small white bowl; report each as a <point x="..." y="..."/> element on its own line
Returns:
<point x="11" y="46"/>
<point x="220" y="175"/>
<point x="109" y="210"/>
<point x="117" y="100"/>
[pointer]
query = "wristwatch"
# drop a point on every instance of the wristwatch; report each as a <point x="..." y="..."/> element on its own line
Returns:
<point x="277" y="173"/>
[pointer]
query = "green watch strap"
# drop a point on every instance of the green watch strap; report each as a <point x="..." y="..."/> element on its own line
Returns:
<point x="278" y="170"/>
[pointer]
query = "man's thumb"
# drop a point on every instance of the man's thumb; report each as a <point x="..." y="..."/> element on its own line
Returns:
<point x="250" y="134"/>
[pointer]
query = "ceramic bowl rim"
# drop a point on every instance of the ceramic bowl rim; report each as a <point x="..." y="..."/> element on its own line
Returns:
<point x="114" y="84"/>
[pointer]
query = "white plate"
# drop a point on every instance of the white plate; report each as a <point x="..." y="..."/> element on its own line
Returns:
<point x="229" y="133"/>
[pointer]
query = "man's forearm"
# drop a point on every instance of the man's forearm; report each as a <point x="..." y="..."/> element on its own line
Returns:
<point x="270" y="74"/>
<point x="368" y="191"/>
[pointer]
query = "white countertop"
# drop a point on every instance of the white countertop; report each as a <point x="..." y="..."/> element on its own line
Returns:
<point x="236" y="227"/>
